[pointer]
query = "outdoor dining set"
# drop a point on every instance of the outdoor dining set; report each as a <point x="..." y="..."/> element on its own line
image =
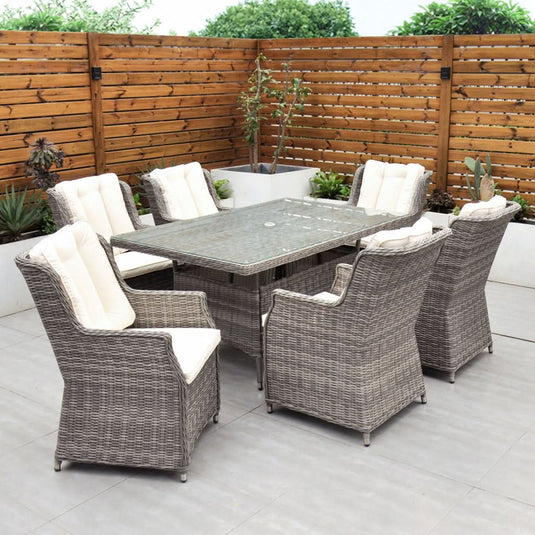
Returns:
<point x="339" y="305"/>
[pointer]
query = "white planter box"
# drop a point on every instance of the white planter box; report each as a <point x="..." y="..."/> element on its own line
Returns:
<point x="227" y="203"/>
<point x="253" y="188"/>
<point x="515" y="259"/>
<point x="147" y="219"/>
<point x="439" y="220"/>
<point x="15" y="294"/>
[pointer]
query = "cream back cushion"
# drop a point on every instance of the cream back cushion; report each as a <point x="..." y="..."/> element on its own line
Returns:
<point x="99" y="201"/>
<point x="481" y="208"/>
<point x="389" y="186"/>
<point x="394" y="239"/>
<point x="185" y="192"/>
<point x="81" y="264"/>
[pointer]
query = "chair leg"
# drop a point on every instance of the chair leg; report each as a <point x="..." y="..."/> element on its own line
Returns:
<point x="452" y="377"/>
<point x="183" y="477"/>
<point x="259" y="373"/>
<point x="366" y="439"/>
<point x="491" y="349"/>
<point x="423" y="397"/>
<point x="215" y="417"/>
<point x="269" y="407"/>
<point x="57" y="465"/>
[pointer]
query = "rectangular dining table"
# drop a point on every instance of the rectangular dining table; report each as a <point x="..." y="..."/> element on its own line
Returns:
<point x="238" y="257"/>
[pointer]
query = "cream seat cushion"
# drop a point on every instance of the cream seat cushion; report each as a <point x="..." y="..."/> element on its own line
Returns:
<point x="389" y="186"/>
<point x="482" y="208"/>
<point x="75" y="254"/>
<point x="191" y="346"/>
<point x="393" y="239"/>
<point x="134" y="263"/>
<point x="99" y="201"/>
<point x="185" y="192"/>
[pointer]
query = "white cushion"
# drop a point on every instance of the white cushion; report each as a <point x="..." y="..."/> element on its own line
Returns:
<point x="393" y="239"/>
<point x="185" y="192"/>
<point x="133" y="263"/>
<point x="191" y="346"/>
<point x="389" y="186"/>
<point x="76" y="255"/>
<point x="99" y="201"/>
<point x="326" y="296"/>
<point x="482" y="208"/>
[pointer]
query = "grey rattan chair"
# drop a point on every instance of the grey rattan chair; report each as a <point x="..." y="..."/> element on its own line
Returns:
<point x="417" y="201"/>
<point x="154" y="279"/>
<point x="453" y="325"/>
<point x="352" y="359"/>
<point x="157" y="202"/>
<point x="126" y="400"/>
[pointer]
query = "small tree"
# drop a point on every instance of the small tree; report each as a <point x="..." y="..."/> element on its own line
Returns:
<point x="288" y="99"/>
<point x="271" y="19"/>
<point x="460" y="17"/>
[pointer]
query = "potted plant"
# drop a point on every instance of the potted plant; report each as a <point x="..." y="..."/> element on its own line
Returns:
<point x="439" y="206"/>
<point x="329" y="187"/>
<point x="23" y="215"/>
<point x="260" y="182"/>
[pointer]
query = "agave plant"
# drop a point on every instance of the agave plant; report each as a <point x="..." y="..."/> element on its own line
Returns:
<point x="483" y="189"/>
<point x="329" y="186"/>
<point x="19" y="212"/>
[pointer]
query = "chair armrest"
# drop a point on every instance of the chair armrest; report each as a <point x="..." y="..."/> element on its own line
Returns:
<point x="169" y="308"/>
<point x="341" y="279"/>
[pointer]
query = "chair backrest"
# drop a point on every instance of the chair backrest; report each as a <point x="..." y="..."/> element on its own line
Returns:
<point x="81" y="265"/>
<point x="386" y="288"/>
<point x="102" y="201"/>
<point x="180" y="192"/>
<point x="467" y="257"/>
<point x="396" y="188"/>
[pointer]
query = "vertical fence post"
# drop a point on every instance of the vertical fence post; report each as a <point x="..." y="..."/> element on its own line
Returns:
<point x="446" y="74"/>
<point x="96" y="101"/>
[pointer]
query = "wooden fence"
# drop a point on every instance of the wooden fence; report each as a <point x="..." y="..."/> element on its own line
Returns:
<point x="427" y="99"/>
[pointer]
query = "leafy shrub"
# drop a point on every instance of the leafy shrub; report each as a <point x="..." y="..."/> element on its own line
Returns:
<point x="222" y="188"/>
<point x="525" y="209"/>
<point x="44" y="155"/>
<point x="329" y="186"/>
<point x="440" y="201"/>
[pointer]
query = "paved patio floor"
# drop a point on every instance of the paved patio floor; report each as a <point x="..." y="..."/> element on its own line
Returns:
<point x="462" y="464"/>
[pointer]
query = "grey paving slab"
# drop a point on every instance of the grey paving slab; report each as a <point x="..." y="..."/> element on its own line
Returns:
<point x="484" y="513"/>
<point x="511" y="310"/>
<point x="27" y="476"/>
<point x="156" y="502"/>
<point x="514" y="473"/>
<point x="30" y="369"/>
<point x="27" y="322"/>
<point x="10" y="337"/>
<point x="51" y="528"/>
<point x="363" y="494"/>
<point x="16" y="518"/>
<point x="23" y="420"/>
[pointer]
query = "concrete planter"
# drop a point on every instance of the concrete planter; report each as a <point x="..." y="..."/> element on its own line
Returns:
<point x="439" y="220"/>
<point x="227" y="203"/>
<point x="515" y="259"/>
<point x="15" y="294"/>
<point x="253" y="188"/>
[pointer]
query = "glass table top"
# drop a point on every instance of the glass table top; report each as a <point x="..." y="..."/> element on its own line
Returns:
<point x="250" y="239"/>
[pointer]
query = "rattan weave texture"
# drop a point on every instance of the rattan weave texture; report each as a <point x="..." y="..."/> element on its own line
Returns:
<point x="453" y="325"/>
<point x="354" y="362"/>
<point x="125" y="399"/>
<point x="156" y="280"/>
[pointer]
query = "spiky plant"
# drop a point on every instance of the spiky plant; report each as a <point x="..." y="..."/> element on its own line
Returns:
<point x="483" y="188"/>
<point x="19" y="212"/>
